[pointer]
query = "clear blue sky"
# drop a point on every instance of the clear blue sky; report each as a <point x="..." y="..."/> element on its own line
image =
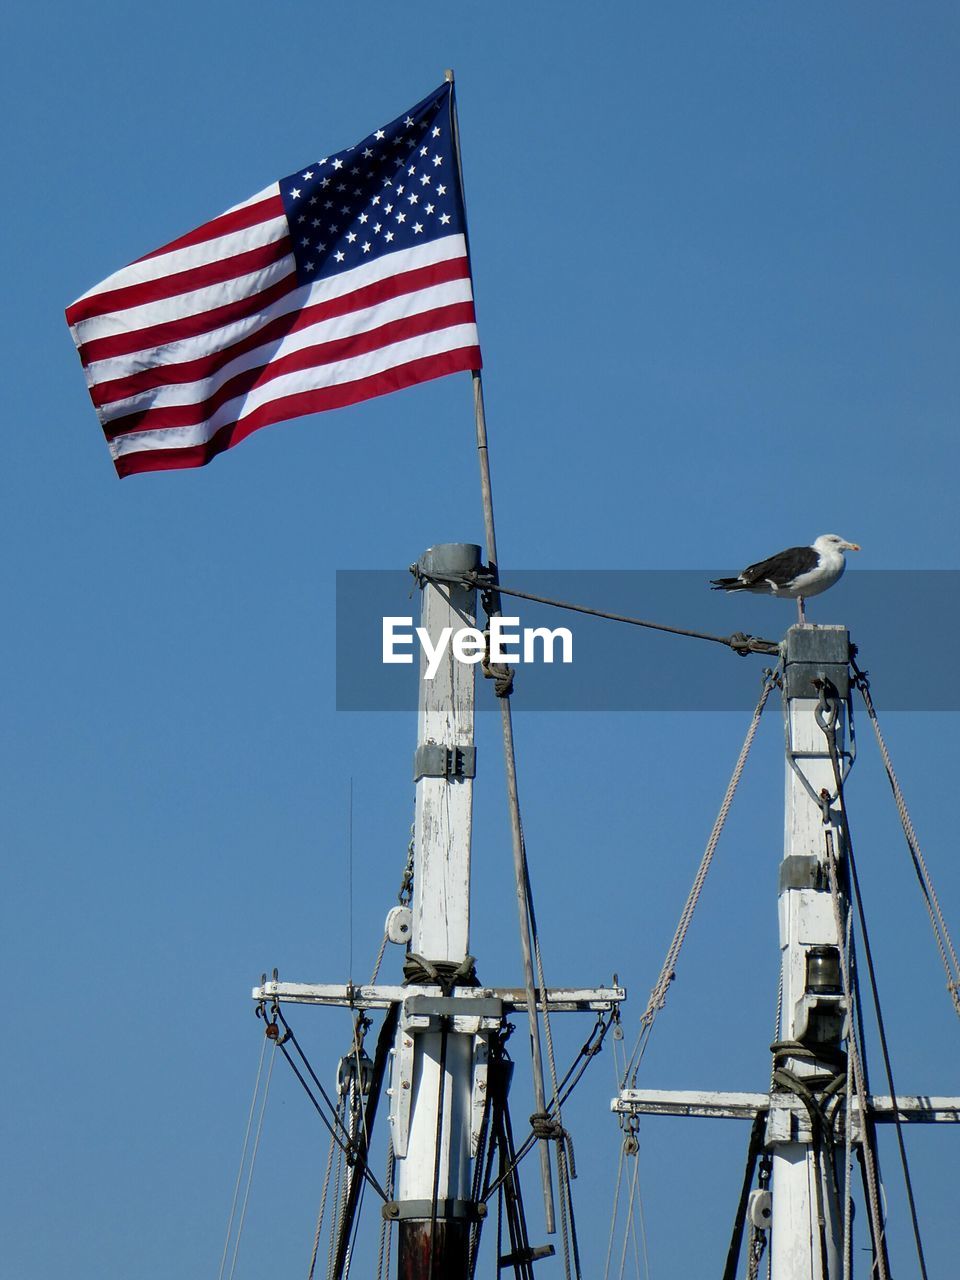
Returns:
<point x="716" y="265"/>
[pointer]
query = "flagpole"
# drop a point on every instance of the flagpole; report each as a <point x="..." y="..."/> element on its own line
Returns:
<point x="506" y="716"/>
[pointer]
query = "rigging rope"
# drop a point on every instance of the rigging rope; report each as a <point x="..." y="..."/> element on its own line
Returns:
<point x="353" y="1111"/>
<point x="347" y="1145"/>
<point x="931" y="901"/>
<point x="553" y="1121"/>
<point x="848" y="1109"/>
<point x="739" y="642"/>
<point x="574" y="1074"/>
<point x="243" y="1158"/>
<point x="383" y="1254"/>
<point x="366" y="1082"/>
<point x="529" y="940"/>
<point x="379" y="960"/>
<point x="776" y="1027"/>
<point x="855" y="1062"/>
<point x="404" y="896"/>
<point x="630" y="1231"/>
<point x="253" y="1161"/>
<point x="830" y="732"/>
<point x="629" y="1147"/>
<point x="754" y="1148"/>
<point x="527" y="925"/>
<point x="616" y="1208"/>
<point x="337" y="1205"/>
<point x="321" y="1211"/>
<point x="658" y="996"/>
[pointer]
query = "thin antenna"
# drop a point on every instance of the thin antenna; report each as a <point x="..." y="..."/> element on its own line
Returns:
<point x="350" y="877"/>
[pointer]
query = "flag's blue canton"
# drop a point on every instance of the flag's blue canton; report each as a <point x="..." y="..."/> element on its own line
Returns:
<point x="394" y="190"/>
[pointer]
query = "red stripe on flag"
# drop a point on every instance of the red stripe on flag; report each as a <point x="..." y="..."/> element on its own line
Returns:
<point x="161" y="375"/>
<point x="223" y="225"/>
<point x="138" y="295"/>
<point x="467" y="358"/>
<point x="158" y="335"/>
<point x="358" y="344"/>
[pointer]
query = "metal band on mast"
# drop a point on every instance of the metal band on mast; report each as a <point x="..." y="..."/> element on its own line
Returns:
<point x="506" y="717"/>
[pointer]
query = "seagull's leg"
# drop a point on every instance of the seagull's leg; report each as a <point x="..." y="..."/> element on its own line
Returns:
<point x="801" y="615"/>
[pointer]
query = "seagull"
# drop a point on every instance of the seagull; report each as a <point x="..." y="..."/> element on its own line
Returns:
<point x="797" y="572"/>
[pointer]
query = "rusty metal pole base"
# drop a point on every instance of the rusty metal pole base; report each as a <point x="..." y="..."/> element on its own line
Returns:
<point x="451" y="1239"/>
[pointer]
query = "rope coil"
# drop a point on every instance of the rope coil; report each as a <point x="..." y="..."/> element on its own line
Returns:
<point x="447" y="974"/>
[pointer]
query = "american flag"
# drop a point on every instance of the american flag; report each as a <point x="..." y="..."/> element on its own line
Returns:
<point x="348" y="279"/>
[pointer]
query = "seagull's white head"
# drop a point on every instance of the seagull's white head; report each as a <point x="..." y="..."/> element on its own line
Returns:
<point x="833" y="542"/>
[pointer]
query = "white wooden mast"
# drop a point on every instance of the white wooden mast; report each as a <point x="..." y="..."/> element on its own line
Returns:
<point x="445" y="1021"/>
<point x="444" y="768"/>
<point x="802" y="1209"/>
<point x="806" y="1227"/>
<point x="433" y="1076"/>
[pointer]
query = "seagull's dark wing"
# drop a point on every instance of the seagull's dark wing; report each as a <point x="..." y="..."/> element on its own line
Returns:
<point x="781" y="568"/>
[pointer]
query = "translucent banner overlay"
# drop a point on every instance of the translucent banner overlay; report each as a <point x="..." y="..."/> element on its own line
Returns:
<point x="904" y="622"/>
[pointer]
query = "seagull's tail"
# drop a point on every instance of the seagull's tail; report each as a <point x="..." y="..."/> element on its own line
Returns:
<point x="726" y="584"/>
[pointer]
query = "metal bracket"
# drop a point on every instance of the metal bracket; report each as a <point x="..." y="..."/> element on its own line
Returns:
<point x="816" y="653"/>
<point x="821" y="1020"/>
<point x="472" y="1210"/>
<point x="400" y="1093"/>
<point x="802" y="871"/>
<point x="467" y="1017"/>
<point x="487" y="1011"/>
<point x="532" y="1253"/>
<point x="434" y="760"/>
<point x="451" y="560"/>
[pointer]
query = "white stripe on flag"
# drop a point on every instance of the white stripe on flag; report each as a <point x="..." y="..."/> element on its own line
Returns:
<point x="453" y="339"/>
<point x="117" y="280"/>
<point x="183" y="305"/>
<point x="265" y="194"/>
<point x="343" y="326"/>
<point x="205" y="344"/>
<point x="195" y="255"/>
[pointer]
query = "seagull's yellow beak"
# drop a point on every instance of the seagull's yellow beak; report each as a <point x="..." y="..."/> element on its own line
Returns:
<point x="853" y="546"/>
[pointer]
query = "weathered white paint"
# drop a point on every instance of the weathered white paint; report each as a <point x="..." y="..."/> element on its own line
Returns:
<point x="416" y="1141"/>
<point x="690" y="1102"/>
<point x="425" y="1118"/>
<point x="794" y="1234"/>
<point x="444" y="807"/>
<point x="400" y="1090"/>
<point x="792" y="1116"/>
<point x="806" y="915"/>
<point x="478" y="1100"/>
<point x="806" y="918"/>
<point x="382" y="995"/>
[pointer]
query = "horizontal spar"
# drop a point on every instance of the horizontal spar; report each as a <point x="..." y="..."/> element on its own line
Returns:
<point x="379" y="996"/>
<point x="910" y="1109"/>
